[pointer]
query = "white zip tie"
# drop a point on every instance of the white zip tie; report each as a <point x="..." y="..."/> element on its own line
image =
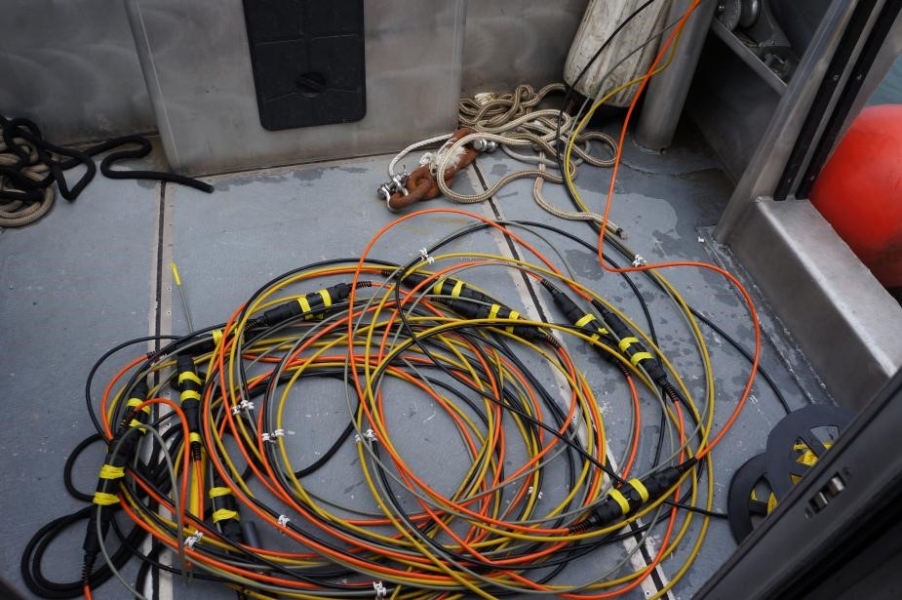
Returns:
<point x="639" y="261"/>
<point x="271" y="437"/>
<point x="283" y="521"/>
<point x="424" y="253"/>
<point x="193" y="539"/>
<point x="243" y="405"/>
<point x="368" y="435"/>
<point x="380" y="589"/>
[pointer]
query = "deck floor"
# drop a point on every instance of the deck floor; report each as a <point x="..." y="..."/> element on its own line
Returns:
<point x="96" y="272"/>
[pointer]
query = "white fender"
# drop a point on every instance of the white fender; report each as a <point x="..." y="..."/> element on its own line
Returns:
<point x="601" y="19"/>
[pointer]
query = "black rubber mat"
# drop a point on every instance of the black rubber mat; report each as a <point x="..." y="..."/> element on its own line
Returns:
<point x="308" y="61"/>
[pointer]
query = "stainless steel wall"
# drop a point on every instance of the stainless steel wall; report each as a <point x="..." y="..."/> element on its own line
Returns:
<point x="516" y="41"/>
<point x="197" y="64"/>
<point x="71" y="66"/>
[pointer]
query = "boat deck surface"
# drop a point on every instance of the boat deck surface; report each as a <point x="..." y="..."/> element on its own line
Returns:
<point x="96" y="272"/>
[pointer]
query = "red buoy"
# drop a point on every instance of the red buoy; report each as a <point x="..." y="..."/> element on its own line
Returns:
<point x="859" y="191"/>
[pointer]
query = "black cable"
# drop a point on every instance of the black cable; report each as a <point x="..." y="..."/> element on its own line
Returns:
<point x="69" y="467"/>
<point x="89" y="400"/>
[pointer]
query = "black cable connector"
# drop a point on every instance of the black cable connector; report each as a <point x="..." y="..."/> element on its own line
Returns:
<point x="446" y="286"/>
<point x="225" y="513"/>
<point x="625" y="500"/>
<point x="583" y="320"/>
<point x="121" y="449"/>
<point x="631" y="346"/>
<point x="209" y="342"/>
<point x="471" y="309"/>
<point x="135" y="415"/>
<point x="308" y="306"/>
<point x="190" y="386"/>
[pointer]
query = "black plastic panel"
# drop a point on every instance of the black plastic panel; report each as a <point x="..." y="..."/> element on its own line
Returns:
<point x="308" y="61"/>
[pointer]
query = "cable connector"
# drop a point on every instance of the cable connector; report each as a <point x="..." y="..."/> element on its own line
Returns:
<point x="445" y="286"/>
<point x="627" y="499"/>
<point x="307" y="306"/>
<point x="283" y="521"/>
<point x="587" y="322"/>
<point x="138" y="412"/>
<point x="190" y="388"/>
<point x="225" y="511"/>
<point x="631" y="346"/>
<point x="477" y="310"/>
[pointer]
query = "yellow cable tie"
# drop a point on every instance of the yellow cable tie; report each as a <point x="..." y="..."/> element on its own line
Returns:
<point x="218" y="492"/>
<point x="194" y="437"/>
<point x="189" y="395"/>
<point x="585" y="320"/>
<point x="627" y="342"/>
<point x="455" y="291"/>
<point x="189" y="376"/>
<point x="217" y="336"/>
<point x="104" y="499"/>
<point x="224" y="513"/>
<point x="327" y="298"/>
<point x="493" y="312"/>
<point x="513" y="315"/>
<point x="640" y="487"/>
<point x="305" y="305"/>
<point x="635" y="358"/>
<point x="136" y="402"/>
<point x="108" y="471"/>
<point x="620" y="499"/>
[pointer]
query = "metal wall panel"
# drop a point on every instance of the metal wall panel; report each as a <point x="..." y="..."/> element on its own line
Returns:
<point x="848" y="326"/>
<point x="515" y="41"/>
<point x="71" y="66"/>
<point x="196" y="62"/>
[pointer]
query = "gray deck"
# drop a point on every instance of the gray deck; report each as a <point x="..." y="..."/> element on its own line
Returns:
<point x="89" y="276"/>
